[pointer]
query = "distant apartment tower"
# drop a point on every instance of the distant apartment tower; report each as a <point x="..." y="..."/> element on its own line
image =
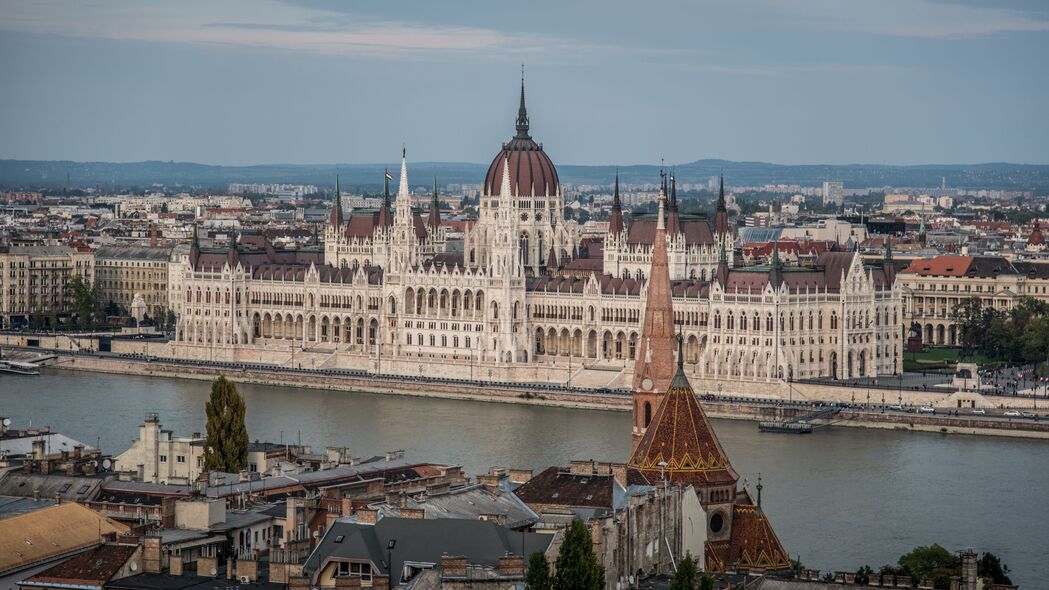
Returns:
<point x="833" y="192"/>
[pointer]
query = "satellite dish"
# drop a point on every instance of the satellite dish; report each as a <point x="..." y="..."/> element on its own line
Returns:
<point x="106" y="464"/>
<point x="7" y="421"/>
<point x="134" y="566"/>
<point x="214" y="571"/>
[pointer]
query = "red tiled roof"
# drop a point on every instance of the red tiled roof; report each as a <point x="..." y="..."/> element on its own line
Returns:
<point x="531" y="170"/>
<point x="91" y="568"/>
<point x="557" y="486"/>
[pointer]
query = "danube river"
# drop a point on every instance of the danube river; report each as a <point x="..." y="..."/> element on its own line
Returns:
<point x="839" y="498"/>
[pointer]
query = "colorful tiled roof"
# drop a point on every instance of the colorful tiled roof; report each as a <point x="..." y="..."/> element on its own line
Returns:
<point x="681" y="436"/>
<point x="752" y="545"/>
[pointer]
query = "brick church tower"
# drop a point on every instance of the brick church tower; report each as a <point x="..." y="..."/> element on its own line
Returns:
<point x="654" y="367"/>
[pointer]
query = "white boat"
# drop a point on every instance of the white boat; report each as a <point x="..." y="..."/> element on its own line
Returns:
<point x="18" y="368"/>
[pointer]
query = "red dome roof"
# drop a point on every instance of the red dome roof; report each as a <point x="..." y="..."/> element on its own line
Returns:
<point x="531" y="170"/>
<point x="1036" y="238"/>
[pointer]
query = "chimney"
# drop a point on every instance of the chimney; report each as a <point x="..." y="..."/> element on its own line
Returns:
<point x="435" y="489"/>
<point x="151" y="563"/>
<point x="152" y="235"/>
<point x="490" y="483"/>
<point x="38" y="450"/>
<point x="78" y="451"/>
<point x="367" y="516"/>
<point x="301" y="583"/>
<point x="417" y="513"/>
<point x="347" y="583"/>
<point x="582" y="467"/>
<point x="499" y="519"/>
<point x="380" y="582"/>
<point x="453" y="566"/>
<point x="969" y="577"/>
<point x="511" y="565"/>
<point x="520" y="475"/>
<point x="207" y="567"/>
<point x="619" y="473"/>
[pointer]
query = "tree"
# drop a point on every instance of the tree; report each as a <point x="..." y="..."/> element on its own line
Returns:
<point x="931" y="562"/>
<point x="227" y="444"/>
<point x="990" y="566"/>
<point x="577" y="566"/>
<point x="685" y="576"/>
<point x="863" y="575"/>
<point x="538" y="575"/>
<point x="706" y="582"/>
<point x="86" y="301"/>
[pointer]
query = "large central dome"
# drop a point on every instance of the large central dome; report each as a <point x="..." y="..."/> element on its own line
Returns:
<point x="531" y="171"/>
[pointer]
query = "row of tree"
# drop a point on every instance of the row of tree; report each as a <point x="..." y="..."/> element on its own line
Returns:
<point x="933" y="562"/>
<point x="1020" y="335"/>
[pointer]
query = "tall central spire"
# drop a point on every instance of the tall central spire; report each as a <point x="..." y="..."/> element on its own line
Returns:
<point x="615" y="222"/>
<point x="522" y="112"/>
<point x="654" y="364"/>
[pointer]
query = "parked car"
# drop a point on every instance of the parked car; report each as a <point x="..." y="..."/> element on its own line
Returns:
<point x="1013" y="413"/>
<point x="978" y="411"/>
<point x="926" y="410"/>
<point x="709" y="397"/>
<point x="1028" y="414"/>
<point x="896" y="407"/>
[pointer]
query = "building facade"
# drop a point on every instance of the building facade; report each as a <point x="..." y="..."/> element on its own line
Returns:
<point x="528" y="297"/>
<point x="932" y="288"/>
<point x="34" y="283"/>
<point x="127" y="274"/>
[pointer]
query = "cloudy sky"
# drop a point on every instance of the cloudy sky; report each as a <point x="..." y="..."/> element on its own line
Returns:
<point x="608" y="81"/>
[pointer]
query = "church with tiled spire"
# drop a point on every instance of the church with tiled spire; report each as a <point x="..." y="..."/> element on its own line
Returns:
<point x="654" y="367"/>
<point x="674" y="442"/>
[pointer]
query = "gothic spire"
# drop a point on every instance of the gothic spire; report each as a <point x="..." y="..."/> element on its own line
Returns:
<point x="615" y="222"/>
<point x="435" y="208"/>
<point x="522" y="112"/>
<point x="721" y="195"/>
<point x="336" y="206"/>
<point x="673" y="218"/>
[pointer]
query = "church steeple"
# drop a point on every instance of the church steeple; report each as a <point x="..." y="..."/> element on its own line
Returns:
<point x="721" y="214"/>
<point x="654" y="364"/>
<point x="522" y="112"/>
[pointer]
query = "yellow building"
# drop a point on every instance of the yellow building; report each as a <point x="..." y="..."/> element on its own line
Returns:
<point x="934" y="287"/>
<point x="34" y="281"/>
<point x="126" y="272"/>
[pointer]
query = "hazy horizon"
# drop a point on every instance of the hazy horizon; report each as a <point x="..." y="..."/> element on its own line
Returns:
<point x="800" y="82"/>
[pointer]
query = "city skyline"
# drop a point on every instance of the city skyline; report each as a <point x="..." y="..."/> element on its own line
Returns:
<point x="301" y="82"/>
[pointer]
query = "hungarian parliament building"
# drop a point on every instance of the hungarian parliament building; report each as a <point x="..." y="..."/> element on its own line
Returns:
<point x="524" y="296"/>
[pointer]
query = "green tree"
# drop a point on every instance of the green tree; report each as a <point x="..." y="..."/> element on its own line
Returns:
<point x="85" y="301"/>
<point x="863" y="575"/>
<point x="538" y="575"/>
<point x="706" y="582"/>
<point x="931" y="562"/>
<point x="685" y="576"/>
<point x="577" y="566"/>
<point x="227" y="444"/>
<point x="990" y="566"/>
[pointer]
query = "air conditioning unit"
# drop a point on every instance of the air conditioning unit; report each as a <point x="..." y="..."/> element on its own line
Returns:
<point x="244" y="580"/>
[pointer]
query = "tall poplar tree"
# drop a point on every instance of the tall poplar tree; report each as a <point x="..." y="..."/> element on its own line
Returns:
<point x="577" y="566"/>
<point x="227" y="444"/>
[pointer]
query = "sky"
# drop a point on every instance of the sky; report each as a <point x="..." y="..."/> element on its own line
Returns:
<point x="607" y="81"/>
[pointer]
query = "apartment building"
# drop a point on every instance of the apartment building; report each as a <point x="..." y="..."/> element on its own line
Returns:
<point x="34" y="283"/>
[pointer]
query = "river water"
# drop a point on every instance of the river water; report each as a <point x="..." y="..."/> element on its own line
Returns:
<point x="839" y="498"/>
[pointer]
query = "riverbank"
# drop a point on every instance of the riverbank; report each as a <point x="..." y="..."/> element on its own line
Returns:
<point x="734" y="408"/>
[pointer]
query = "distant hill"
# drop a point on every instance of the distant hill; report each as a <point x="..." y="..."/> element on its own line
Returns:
<point x="28" y="174"/>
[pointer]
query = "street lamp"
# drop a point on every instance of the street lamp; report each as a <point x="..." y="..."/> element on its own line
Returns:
<point x="389" y="559"/>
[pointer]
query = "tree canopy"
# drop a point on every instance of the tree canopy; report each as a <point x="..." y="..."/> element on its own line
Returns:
<point x="1018" y="335"/>
<point x="227" y="443"/>
<point x="538" y="575"/>
<point x="685" y="576"/>
<point x="577" y="566"/>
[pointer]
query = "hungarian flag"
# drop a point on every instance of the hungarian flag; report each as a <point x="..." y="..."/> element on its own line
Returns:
<point x="388" y="175"/>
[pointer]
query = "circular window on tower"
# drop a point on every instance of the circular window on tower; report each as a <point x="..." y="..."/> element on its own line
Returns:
<point x="538" y="216"/>
<point x="716" y="522"/>
<point x="524" y="217"/>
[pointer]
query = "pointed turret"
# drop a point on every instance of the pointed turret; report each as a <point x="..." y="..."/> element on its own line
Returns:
<point x="522" y="112"/>
<point x="336" y="219"/>
<point x="721" y="214"/>
<point x="194" y="248"/>
<point x="402" y="187"/>
<point x="435" y="209"/>
<point x="887" y="265"/>
<point x="615" y="222"/>
<point x="385" y="215"/>
<point x="722" y="271"/>
<point x="776" y="273"/>
<point x="673" y="218"/>
<point x="654" y="364"/>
